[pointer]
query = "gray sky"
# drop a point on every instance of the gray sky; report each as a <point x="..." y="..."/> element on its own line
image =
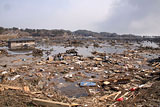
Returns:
<point x="120" y="16"/>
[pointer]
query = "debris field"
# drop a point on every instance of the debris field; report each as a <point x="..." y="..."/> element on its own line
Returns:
<point x="76" y="78"/>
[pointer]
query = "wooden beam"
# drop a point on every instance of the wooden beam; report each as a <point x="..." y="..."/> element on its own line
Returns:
<point x="10" y="87"/>
<point x="107" y="96"/>
<point x="49" y="103"/>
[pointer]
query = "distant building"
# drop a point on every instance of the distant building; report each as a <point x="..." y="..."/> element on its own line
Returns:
<point x="21" y="43"/>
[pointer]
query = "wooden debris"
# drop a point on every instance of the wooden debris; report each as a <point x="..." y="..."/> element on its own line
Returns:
<point x="98" y="59"/>
<point x="130" y="96"/>
<point x="107" y="96"/>
<point x="117" y="95"/>
<point x="26" y="89"/>
<point x="106" y="82"/>
<point x="125" y="94"/>
<point x="12" y="70"/>
<point x="39" y="92"/>
<point x="113" y="105"/>
<point x="15" y="61"/>
<point x="10" y="87"/>
<point x="49" y="103"/>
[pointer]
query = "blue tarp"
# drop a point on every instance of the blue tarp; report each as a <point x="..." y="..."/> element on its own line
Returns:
<point x="87" y="84"/>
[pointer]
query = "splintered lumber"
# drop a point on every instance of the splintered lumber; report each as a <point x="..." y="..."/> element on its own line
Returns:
<point x="125" y="94"/>
<point x="107" y="96"/>
<point x="49" y="103"/>
<point x="130" y="96"/>
<point x="117" y="95"/>
<point x="113" y="105"/>
<point x="16" y="61"/>
<point x="10" y="87"/>
<point x="25" y="88"/>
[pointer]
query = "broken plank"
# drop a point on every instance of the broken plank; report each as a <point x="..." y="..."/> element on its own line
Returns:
<point x="10" y="87"/>
<point x="49" y="103"/>
<point x="125" y="94"/>
<point x="25" y="88"/>
<point x="107" y="96"/>
<point x="117" y="95"/>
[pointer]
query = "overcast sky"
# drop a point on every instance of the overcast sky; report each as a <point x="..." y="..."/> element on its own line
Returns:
<point x="119" y="16"/>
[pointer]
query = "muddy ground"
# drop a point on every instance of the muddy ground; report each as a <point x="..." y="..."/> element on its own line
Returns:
<point x="90" y="73"/>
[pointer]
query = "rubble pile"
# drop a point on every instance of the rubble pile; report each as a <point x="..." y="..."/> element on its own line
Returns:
<point x="72" y="51"/>
<point x="37" y="52"/>
<point x="3" y="52"/>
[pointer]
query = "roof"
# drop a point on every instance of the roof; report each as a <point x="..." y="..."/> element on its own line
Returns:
<point x="21" y="39"/>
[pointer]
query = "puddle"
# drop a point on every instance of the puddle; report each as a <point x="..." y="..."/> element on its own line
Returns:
<point x="83" y="50"/>
<point x="0" y="79"/>
<point x="149" y="55"/>
<point x="105" y="47"/>
<point x="16" y="60"/>
<point x="72" y="89"/>
<point x="149" y="44"/>
<point x="16" y="52"/>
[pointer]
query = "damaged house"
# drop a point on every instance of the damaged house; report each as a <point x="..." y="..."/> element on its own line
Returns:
<point x="21" y="43"/>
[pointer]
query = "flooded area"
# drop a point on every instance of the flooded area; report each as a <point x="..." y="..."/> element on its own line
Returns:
<point x="86" y="51"/>
<point x="149" y="44"/>
<point x="80" y="72"/>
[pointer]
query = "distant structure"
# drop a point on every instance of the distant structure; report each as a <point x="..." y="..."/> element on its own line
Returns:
<point x="21" y="43"/>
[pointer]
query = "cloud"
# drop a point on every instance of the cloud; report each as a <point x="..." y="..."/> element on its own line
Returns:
<point x="134" y="16"/>
<point x="120" y="16"/>
<point x="82" y="14"/>
<point x="66" y="14"/>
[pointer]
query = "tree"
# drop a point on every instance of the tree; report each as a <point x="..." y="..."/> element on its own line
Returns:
<point x="14" y="28"/>
<point x="1" y="30"/>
